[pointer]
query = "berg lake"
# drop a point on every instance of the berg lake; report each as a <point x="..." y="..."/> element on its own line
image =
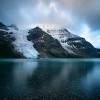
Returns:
<point x="49" y="79"/>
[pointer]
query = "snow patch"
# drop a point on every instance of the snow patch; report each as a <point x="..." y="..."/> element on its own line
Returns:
<point x="24" y="46"/>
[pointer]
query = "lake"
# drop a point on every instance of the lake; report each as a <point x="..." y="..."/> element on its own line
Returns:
<point x="49" y="79"/>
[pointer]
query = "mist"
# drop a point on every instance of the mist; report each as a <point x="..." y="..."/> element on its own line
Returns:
<point x="82" y="17"/>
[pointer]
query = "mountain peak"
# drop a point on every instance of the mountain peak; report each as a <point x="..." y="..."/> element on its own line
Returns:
<point x="3" y="26"/>
<point x="14" y="27"/>
<point x="37" y="28"/>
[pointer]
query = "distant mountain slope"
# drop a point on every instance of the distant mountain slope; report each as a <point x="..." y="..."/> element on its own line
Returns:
<point x="7" y="49"/>
<point x="72" y="43"/>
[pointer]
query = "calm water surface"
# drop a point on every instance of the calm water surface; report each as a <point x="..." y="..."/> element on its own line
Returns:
<point x="50" y="79"/>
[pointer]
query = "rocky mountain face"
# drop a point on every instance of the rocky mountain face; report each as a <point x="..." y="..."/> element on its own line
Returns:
<point x="74" y="44"/>
<point x="7" y="49"/>
<point x="45" y="44"/>
<point x="40" y="42"/>
<point x="2" y="26"/>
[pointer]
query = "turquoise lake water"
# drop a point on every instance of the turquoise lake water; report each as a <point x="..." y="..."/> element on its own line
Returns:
<point x="50" y="79"/>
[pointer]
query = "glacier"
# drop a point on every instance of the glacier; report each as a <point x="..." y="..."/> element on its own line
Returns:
<point x="22" y="45"/>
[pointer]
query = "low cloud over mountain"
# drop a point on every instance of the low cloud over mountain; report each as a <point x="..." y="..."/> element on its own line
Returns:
<point x="73" y="14"/>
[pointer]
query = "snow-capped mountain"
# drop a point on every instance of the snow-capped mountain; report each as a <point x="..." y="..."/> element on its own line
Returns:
<point x="43" y="41"/>
<point x="45" y="44"/>
<point x="70" y="42"/>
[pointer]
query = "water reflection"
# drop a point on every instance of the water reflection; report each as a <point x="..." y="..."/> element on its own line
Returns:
<point x="50" y="79"/>
<point x="22" y="71"/>
<point x="91" y="82"/>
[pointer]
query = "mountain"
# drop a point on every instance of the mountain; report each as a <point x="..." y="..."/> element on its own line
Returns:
<point x="7" y="49"/>
<point x="13" y="27"/>
<point x="14" y="43"/>
<point x="74" y="45"/>
<point x="2" y="26"/>
<point x="43" y="42"/>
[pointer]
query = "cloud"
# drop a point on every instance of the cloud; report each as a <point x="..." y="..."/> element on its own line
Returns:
<point x="21" y="11"/>
<point x="86" y="10"/>
<point x="77" y="15"/>
<point x="91" y="36"/>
